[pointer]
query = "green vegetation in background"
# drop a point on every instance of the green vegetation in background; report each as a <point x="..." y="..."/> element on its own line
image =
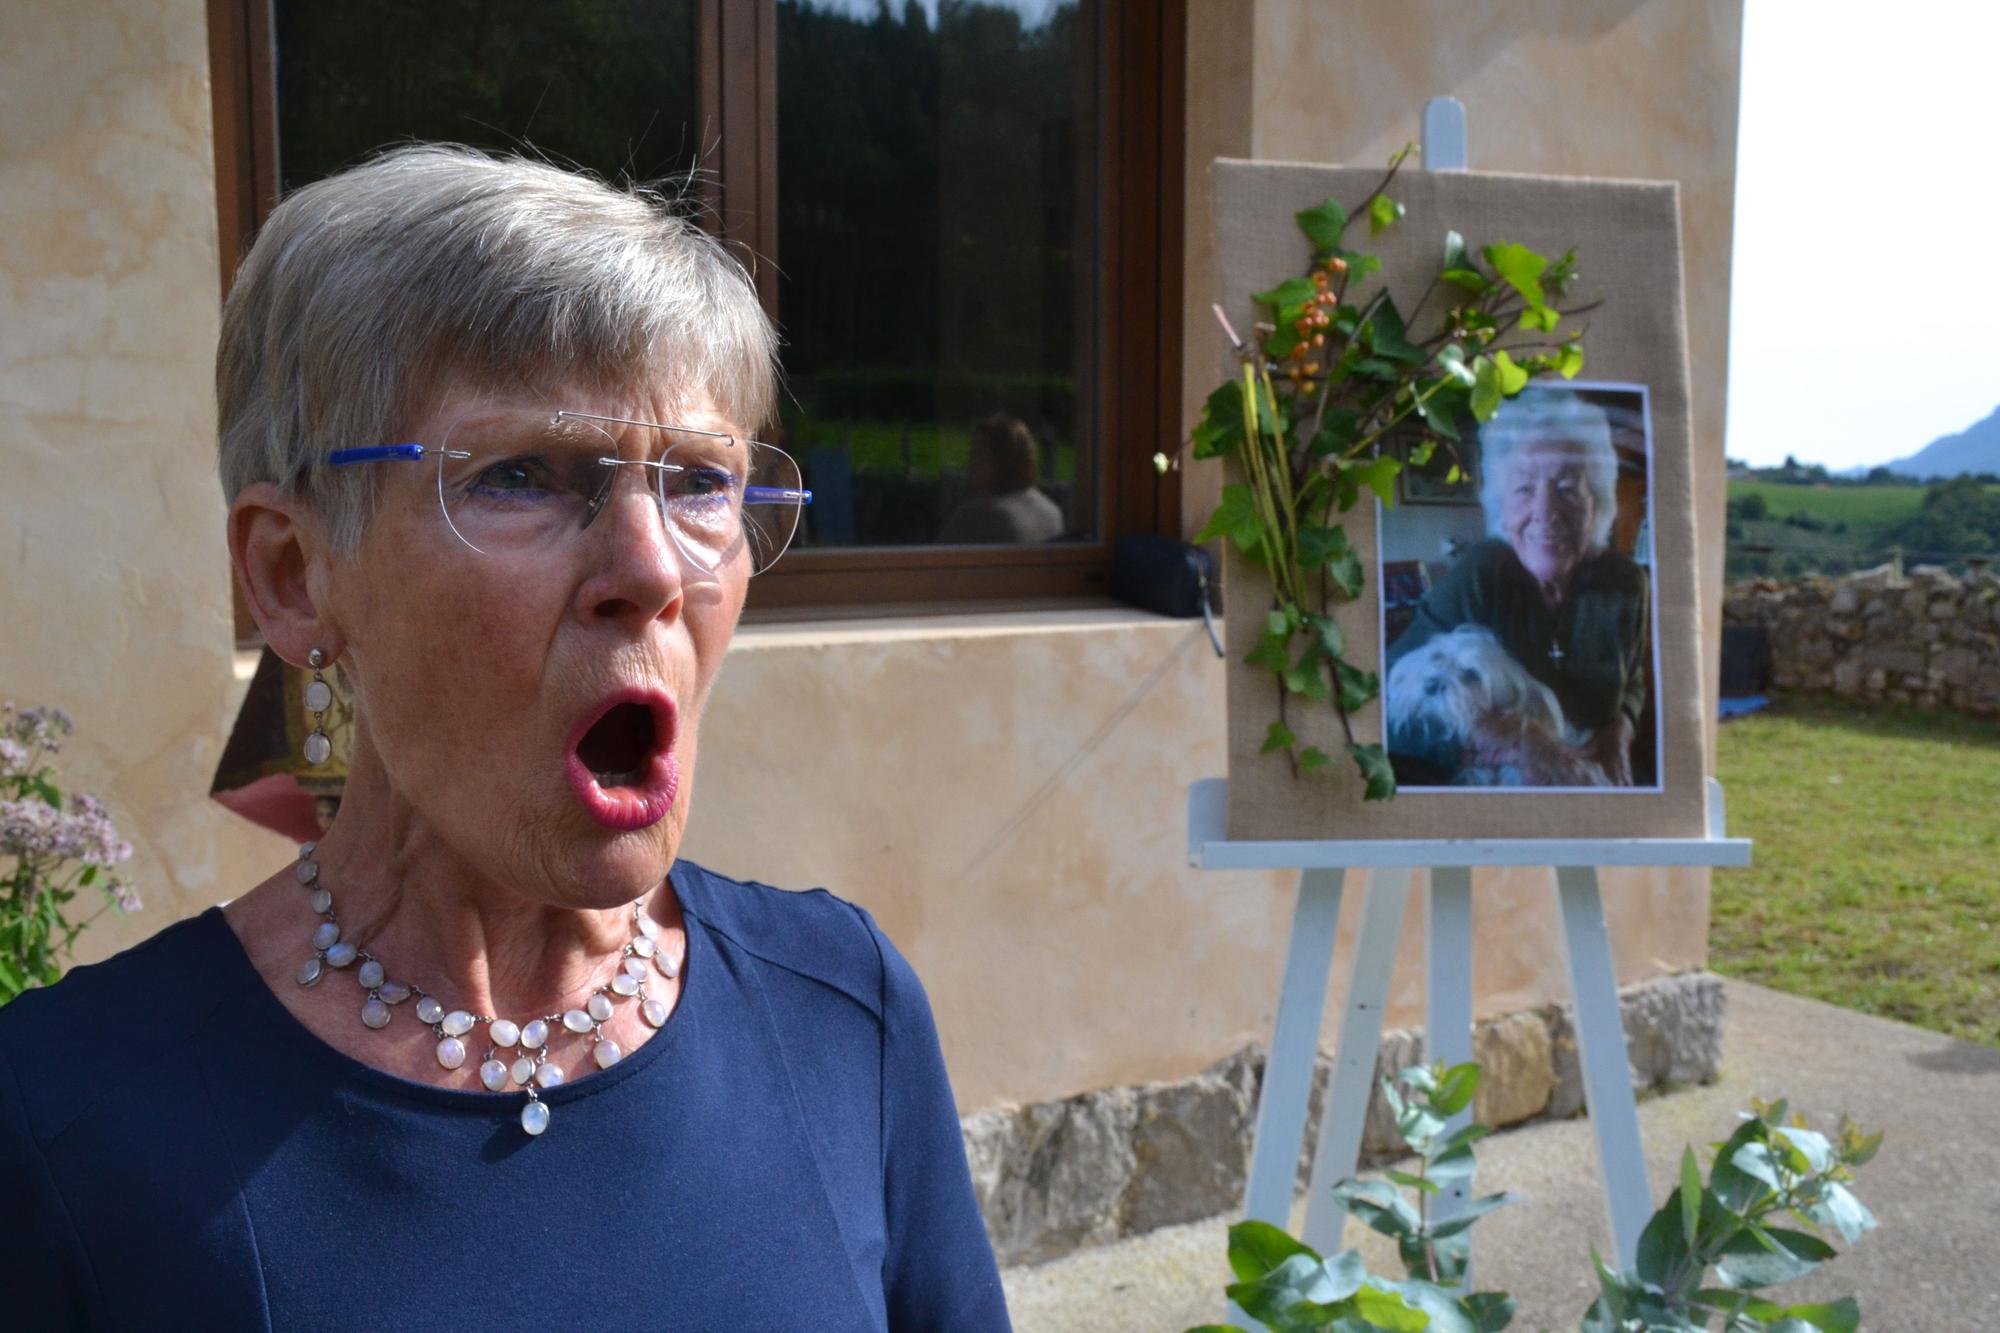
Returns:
<point x="1833" y="529"/>
<point x="1873" y="885"/>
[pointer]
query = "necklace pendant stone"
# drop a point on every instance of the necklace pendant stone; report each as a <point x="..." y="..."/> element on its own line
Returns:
<point x="523" y="1070"/>
<point x="341" y="954"/>
<point x="494" y="1075"/>
<point x="370" y="976"/>
<point x="451" y="1052"/>
<point x="606" y="1053"/>
<point x="394" y="992"/>
<point x="503" y="1032"/>
<point x="534" y="1034"/>
<point x="625" y="984"/>
<point x="550" y="1075"/>
<point x="429" y="1010"/>
<point x="535" y="1116"/>
<point x="655" y="1012"/>
<point x="375" y="1013"/>
<point x="669" y="967"/>
<point x="635" y="967"/>
<point x="644" y="946"/>
<point x="307" y="871"/>
<point x="309" y="972"/>
<point x="577" y="1021"/>
<point x="321" y="900"/>
<point x="648" y="927"/>
<point x="324" y="934"/>
<point x="599" y="1008"/>
<point x="457" y="1023"/>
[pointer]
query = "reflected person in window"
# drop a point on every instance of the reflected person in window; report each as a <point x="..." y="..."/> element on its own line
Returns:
<point x="1546" y="584"/>
<point x="1006" y="505"/>
<point x="490" y="1050"/>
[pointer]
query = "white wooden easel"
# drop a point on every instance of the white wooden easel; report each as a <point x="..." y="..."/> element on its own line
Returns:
<point x="1323" y="867"/>
<point x="1288" y="1071"/>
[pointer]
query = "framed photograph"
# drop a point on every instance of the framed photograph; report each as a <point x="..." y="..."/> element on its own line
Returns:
<point x="1528" y="664"/>
<point x="1579" y="628"/>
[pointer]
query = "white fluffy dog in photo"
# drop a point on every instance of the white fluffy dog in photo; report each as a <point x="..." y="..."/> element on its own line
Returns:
<point x="1446" y="688"/>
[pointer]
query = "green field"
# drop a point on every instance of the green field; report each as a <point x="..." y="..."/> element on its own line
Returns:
<point x="1870" y="512"/>
<point x="1874" y="881"/>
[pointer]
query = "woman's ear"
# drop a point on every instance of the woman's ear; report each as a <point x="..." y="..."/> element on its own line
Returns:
<point x="277" y="548"/>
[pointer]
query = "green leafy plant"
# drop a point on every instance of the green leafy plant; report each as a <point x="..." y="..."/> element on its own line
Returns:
<point x="1340" y="385"/>
<point x="1772" y="1167"/>
<point x="50" y="853"/>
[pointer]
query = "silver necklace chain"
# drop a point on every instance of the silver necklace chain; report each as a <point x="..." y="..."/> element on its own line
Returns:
<point x="531" y="1068"/>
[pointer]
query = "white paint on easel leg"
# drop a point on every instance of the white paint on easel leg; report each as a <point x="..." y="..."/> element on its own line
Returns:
<point x="1607" y="1073"/>
<point x="1346" y="1112"/>
<point x="1288" y="1070"/>
<point x="1448" y="998"/>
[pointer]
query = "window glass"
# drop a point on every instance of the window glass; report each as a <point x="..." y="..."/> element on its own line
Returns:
<point x="608" y="85"/>
<point x="937" y="245"/>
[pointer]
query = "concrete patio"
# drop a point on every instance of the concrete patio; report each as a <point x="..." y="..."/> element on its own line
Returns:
<point x="1933" y="1265"/>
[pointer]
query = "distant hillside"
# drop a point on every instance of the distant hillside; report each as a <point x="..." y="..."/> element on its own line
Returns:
<point x="1974" y="449"/>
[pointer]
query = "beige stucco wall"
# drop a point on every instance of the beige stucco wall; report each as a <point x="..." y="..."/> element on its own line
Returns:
<point x="115" y="600"/>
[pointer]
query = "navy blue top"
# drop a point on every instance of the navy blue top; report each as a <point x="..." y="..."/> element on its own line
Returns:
<point x="176" y="1149"/>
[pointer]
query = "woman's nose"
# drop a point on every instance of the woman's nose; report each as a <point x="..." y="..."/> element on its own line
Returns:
<point x="637" y="570"/>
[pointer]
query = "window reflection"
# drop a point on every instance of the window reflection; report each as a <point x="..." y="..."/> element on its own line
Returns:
<point x="937" y="177"/>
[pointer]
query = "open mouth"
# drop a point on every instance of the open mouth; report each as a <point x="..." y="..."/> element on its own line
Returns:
<point x="618" y="749"/>
<point x="621" y="763"/>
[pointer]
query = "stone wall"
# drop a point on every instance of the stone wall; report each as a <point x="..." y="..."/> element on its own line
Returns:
<point x="1057" y="1176"/>
<point x="1929" y="638"/>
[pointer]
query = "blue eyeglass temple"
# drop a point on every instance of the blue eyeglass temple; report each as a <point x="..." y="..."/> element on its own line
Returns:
<point x="375" y="453"/>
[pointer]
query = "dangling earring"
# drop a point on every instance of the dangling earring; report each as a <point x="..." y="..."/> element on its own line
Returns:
<point x="319" y="697"/>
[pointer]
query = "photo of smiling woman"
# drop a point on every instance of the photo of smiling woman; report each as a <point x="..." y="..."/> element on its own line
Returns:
<point x="1519" y="603"/>
<point x="490" y="1052"/>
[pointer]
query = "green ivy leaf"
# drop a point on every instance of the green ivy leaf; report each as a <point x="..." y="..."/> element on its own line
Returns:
<point x="1471" y="279"/>
<point x="1374" y="765"/>
<point x="1290" y="292"/>
<point x="1454" y="250"/>
<point x="1520" y="268"/>
<point x="1221" y="428"/>
<point x="1451" y="358"/>
<point x="1304" y="678"/>
<point x="1389" y="336"/>
<point x="1237" y="519"/>
<point x="1512" y="378"/>
<point x="1336" y="432"/>
<point x="1270" y="653"/>
<point x="1486" y="396"/>
<point x="1282" y="620"/>
<point x="1375" y="368"/>
<point x="1378" y="474"/>
<point x="1323" y="225"/>
<point x="1331" y="641"/>
<point x="1311" y="760"/>
<point x="1279" y="737"/>
<point x="1357" y="687"/>
<point x="1360" y="265"/>
<point x="1383" y="213"/>
<point x="1540" y="318"/>
<point x="1569" y="360"/>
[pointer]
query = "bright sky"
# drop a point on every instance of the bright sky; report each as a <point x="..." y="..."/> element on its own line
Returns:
<point x="1867" y="268"/>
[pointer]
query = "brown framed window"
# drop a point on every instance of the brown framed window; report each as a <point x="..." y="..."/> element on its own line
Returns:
<point x="963" y="214"/>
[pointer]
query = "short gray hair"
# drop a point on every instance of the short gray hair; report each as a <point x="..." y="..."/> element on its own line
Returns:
<point x="369" y="293"/>
<point x="1550" y="416"/>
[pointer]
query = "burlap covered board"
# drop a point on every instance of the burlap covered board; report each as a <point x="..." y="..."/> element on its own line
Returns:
<point x="1627" y="238"/>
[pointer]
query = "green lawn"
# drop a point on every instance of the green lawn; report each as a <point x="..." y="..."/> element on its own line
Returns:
<point x="1876" y="879"/>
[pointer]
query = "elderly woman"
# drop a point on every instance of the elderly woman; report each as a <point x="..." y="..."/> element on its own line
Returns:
<point x="1562" y="604"/>
<point x="488" y="1054"/>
